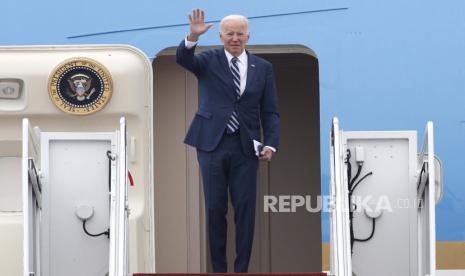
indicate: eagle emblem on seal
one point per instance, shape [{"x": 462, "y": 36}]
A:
[{"x": 80, "y": 87}]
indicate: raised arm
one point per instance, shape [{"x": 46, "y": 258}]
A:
[{"x": 185, "y": 53}]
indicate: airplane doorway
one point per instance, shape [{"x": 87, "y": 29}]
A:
[{"x": 284, "y": 242}]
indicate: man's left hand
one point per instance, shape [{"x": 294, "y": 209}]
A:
[{"x": 265, "y": 154}]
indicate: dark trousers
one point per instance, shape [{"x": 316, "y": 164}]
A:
[{"x": 228, "y": 168}]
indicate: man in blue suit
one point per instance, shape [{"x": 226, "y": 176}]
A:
[{"x": 237, "y": 95}]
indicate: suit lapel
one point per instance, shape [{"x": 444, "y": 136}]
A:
[{"x": 251, "y": 70}]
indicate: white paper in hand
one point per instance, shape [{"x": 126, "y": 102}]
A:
[{"x": 258, "y": 147}]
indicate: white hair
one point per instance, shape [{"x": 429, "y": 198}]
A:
[{"x": 234, "y": 17}]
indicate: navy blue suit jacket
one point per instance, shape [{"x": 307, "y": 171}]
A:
[{"x": 257, "y": 106}]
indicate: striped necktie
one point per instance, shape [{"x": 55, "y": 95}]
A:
[{"x": 233, "y": 122}]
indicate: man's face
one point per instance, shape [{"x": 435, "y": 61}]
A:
[{"x": 234, "y": 36}]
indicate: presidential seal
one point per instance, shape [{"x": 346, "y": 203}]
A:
[{"x": 80, "y": 86}]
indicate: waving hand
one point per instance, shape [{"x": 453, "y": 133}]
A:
[{"x": 197, "y": 24}]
